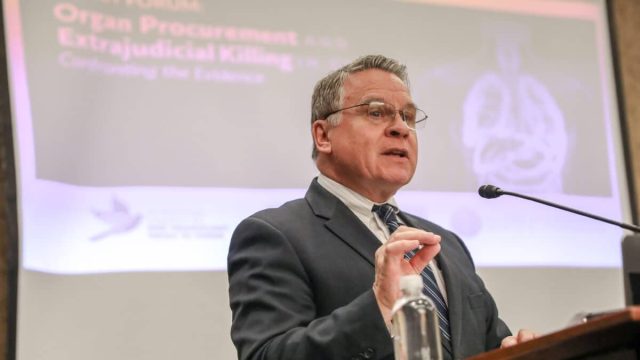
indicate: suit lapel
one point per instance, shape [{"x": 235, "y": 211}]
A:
[
  {"x": 342, "y": 222},
  {"x": 452, "y": 283}
]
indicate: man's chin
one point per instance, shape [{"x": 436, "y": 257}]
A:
[{"x": 398, "y": 180}]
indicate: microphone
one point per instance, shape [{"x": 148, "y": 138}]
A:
[
  {"x": 489, "y": 191},
  {"x": 492, "y": 192}
]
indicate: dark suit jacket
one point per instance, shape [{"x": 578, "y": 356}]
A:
[{"x": 300, "y": 286}]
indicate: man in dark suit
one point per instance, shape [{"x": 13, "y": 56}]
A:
[{"x": 317, "y": 277}]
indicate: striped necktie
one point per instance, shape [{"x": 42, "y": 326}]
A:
[{"x": 387, "y": 213}]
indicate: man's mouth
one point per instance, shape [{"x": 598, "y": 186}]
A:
[{"x": 396, "y": 152}]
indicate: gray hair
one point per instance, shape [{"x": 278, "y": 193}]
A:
[{"x": 328, "y": 92}]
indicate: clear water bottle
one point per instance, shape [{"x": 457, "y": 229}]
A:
[{"x": 416, "y": 335}]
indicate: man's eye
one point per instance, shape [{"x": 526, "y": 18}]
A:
[
  {"x": 376, "y": 113},
  {"x": 377, "y": 110}
]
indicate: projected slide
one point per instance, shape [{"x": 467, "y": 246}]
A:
[{"x": 146, "y": 130}]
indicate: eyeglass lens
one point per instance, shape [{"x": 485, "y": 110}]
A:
[{"x": 378, "y": 111}]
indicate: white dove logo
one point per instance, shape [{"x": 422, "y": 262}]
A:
[{"x": 118, "y": 219}]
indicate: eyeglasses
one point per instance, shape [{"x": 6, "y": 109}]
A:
[{"x": 379, "y": 112}]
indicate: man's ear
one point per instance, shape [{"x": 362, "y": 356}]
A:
[{"x": 320, "y": 132}]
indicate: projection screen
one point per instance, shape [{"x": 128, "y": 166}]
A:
[{"x": 146, "y": 130}]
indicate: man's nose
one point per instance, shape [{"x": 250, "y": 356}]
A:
[{"x": 398, "y": 127}]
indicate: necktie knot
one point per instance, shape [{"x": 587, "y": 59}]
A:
[{"x": 387, "y": 213}]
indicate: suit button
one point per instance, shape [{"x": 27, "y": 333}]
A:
[{"x": 368, "y": 354}]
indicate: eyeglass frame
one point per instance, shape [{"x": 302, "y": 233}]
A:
[{"x": 396, "y": 111}]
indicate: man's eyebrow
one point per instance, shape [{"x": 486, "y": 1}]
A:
[{"x": 366, "y": 100}]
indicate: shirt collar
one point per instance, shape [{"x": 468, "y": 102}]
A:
[{"x": 359, "y": 204}]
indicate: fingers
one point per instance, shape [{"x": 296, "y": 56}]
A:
[
  {"x": 508, "y": 341},
  {"x": 526, "y": 335},
  {"x": 406, "y": 239},
  {"x": 429, "y": 243},
  {"x": 391, "y": 264},
  {"x": 399, "y": 247},
  {"x": 522, "y": 336},
  {"x": 390, "y": 256},
  {"x": 407, "y": 233},
  {"x": 424, "y": 256}
]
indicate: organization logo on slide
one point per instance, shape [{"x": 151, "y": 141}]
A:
[{"x": 118, "y": 220}]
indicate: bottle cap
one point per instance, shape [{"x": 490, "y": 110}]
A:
[{"x": 411, "y": 283}]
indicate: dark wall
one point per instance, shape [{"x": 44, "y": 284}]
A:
[
  {"x": 8, "y": 222},
  {"x": 625, "y": 16}
]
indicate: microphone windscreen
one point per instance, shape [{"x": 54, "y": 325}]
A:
[{"x": 489, "y": 191}]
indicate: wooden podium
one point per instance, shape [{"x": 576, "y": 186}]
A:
[{"x": 612, "y": 336}]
